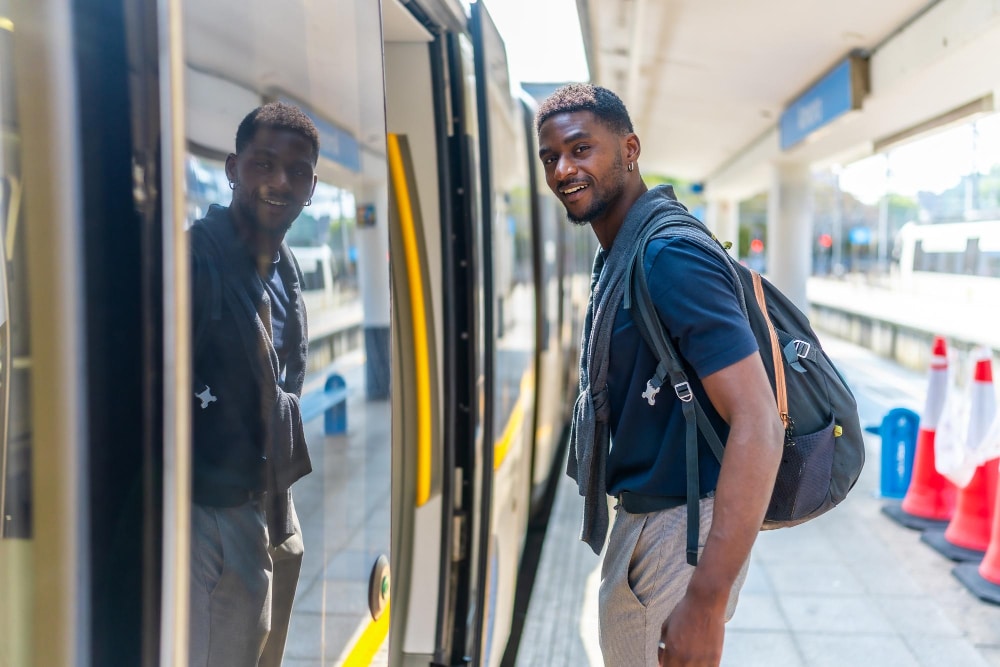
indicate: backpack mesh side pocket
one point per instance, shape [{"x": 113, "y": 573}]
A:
[{"x": 803, "y": 483}]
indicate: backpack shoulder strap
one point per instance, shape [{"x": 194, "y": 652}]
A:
[
  {"x": 655, "y": 335},
  {"x": 648, "y": 321}
]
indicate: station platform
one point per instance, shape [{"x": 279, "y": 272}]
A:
[
  {"x": 848, "y": 588},
  {"x": 344, "y": 510},
  {"x": 960, "y": 315}
]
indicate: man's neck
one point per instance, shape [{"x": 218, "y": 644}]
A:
[
  {"x": 262, "y": 247},
  {"x": 606, "y": 228}
]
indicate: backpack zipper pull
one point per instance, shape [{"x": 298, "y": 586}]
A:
[{"x": 789, "y": 429}]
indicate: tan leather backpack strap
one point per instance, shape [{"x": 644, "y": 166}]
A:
[{"x": 780, "y": 391}]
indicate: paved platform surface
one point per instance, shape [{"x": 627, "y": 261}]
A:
[
  {"x": 343, "y": 506},
  {"x": 848, "y": 588}
]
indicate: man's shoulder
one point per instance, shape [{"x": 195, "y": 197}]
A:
[
  {"x": 215, "y": 216},
  {"x": 677, "y": 253},
  {"x": 212, "y": 231}
]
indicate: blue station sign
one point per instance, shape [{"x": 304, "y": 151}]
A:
[
  {"x": 335, "y": 143},
  {"x": 842, "y": 89}
]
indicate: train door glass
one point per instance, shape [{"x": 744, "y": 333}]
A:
[
  {"x": 15, "y": 435},
  {"x": 326, "y": 59}
]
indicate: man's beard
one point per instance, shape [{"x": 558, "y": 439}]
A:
[
  {"x": 259, "y": 229},
  {"x": 601, "y": 201},
  {"x": 582, "y": 221}
]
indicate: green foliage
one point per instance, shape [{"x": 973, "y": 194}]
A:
[{"x": 684, "y": 189}]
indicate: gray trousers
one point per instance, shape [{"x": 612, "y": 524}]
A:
[
  {"x": 241, "y": 588},
  {"x": 287, "y": 562},
  {"x": 230, "y": 585},
  {"x": 644, "y": 575}
]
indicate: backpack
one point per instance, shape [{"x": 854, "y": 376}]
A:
[{"x": 824, "y": 442}]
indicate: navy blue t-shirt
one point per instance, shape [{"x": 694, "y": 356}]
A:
[{"x": 695, "y": 296}]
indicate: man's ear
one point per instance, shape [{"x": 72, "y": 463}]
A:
[
  {"x": 231, "y": 167},
  {"x": 632, "y": 147}
]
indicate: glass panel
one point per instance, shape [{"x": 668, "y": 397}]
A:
[
  {"x": 16, "y": 573},
  {"x": 320, "y": 58}
]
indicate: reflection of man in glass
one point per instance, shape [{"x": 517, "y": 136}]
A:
[{"x": 249, "y": 365}]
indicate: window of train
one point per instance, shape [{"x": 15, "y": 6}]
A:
[
  {"x": 326, "y": 59},
  {"x": 15, "y": 375},
  {"x": 989, "y": 263},
  {"x": 511, "y": 246}
]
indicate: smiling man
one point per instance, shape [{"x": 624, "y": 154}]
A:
[
  {"x": 249, "y": 358},
  {"x": 654, "y": 607}
]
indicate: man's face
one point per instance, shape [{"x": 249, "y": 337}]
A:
[
  {"x": 583, "y": 164},
  {"x": 274, "y": 177}
]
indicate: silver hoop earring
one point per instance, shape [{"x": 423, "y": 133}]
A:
[
  {"x": 308, "y": 202},
  {"x": 232, "y": 185},
  {"x": 631, "y": 166}
]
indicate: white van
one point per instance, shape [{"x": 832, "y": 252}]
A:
[{"x": 317, "y": 272}]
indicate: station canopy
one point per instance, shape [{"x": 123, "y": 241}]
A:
[{"x": 707, "y": 82}]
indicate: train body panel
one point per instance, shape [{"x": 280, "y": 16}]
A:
[{"x": 956, "y": 260}]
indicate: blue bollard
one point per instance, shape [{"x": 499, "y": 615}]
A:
[
  {"x": 899, "y": 443},
  {"x": 335, "y": 419}
]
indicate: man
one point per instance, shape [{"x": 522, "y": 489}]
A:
[
  {"x": 250, "y": 343},
  {"x": 651, "y": 600}
]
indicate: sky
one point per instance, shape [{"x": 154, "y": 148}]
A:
[
  {"x": 542, "y": 39},
  {"x": 933, "y": 163}
]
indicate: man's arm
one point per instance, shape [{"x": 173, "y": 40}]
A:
[{"x": 742, "y": 395}]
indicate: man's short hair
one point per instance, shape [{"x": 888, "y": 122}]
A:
[
  {"x": 603, "y": 103},
  {"x": 278, "y": 116}
]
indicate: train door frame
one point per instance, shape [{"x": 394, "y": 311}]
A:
[
  {"x": 484, "y": 467},
  {"x": 137, "y": 266},
  {"x": 107, "y": 292},
  {"x": 53, "y": 229}
]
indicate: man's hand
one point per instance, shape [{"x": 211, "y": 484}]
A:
[{"x": 692, "y": 635}]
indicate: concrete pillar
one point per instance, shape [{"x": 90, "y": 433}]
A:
[
  {"x": 723, "y": 217},
  {"x": 711, "y": 219},
  {"x": 789, "y": 231},
  {"x": 731, "y": 228},
  {"x": 373, "y": 280}
]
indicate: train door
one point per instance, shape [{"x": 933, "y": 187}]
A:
[
  {"x": 438, "y": 350},
  {"x": 444, "y": 542}
]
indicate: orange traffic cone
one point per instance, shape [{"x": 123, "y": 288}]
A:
[
  {"x": 930, "y": 498},
  {"x": 968, "y": 533},
  {"x": 983, "y": 580}
]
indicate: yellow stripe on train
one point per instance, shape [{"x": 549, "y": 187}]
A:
[{"x": 502, "y": 446}]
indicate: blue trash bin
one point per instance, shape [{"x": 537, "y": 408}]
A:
[{"x": 899, "y": 443}]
